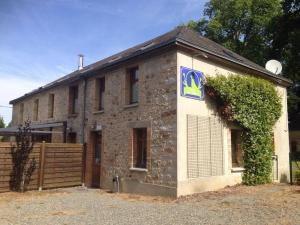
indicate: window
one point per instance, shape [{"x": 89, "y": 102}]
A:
[
  {"x": 140, "y": 147},
  {"x": 36, "y": 110},
  {"x": 21, "y": 113},
  {"x": 71, "y": 137},
  {"x": 97, "y": 147},
  {"x": 236, "y": 148},
  {"x": 133, "y": 85},
  {"x": 295, "y": 146},
  {"x": 73, "y": 100},
  {"x": 51, "y": 106},
  {"x": 100, "y": 89},
  {"x": 42, "y": 137}
]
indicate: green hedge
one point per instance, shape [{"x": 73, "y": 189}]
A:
[{"x": 254, "y": 104}]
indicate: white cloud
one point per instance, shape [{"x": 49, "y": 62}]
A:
[{"x": 12, "y": 87}]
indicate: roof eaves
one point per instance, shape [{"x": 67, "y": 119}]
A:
[{"x": 41, "y": 89}]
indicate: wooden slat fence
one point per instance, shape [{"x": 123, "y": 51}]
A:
[{"x": 58, "y": 165}]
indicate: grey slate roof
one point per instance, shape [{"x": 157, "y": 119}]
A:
[{"x": 180, "y": 34}]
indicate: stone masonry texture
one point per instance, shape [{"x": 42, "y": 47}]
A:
[{"x": 156, "y": 110}]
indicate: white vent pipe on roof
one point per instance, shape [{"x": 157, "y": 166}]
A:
[{"x": 80, "y": 65}]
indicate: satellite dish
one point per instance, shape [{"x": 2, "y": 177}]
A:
[{"x": 274, "y": 66}]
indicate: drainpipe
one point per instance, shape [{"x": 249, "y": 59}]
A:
[
  {"x": 116, "y": 182},
  {"x": 65, "y": 132},
  {"x": 116, "y": 178},
  {"x": 82, "y": 140},
  {"x": 82, "y": 127}
]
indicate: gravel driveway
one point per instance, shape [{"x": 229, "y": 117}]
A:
[{"x": 267, "y": 204}]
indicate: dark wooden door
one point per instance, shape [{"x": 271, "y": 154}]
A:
[{"x": 97, "y": 147}]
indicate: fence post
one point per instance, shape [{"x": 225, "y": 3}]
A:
[
  {"x": 42, "y": 165},
  {"x": 83, "y": 165}
]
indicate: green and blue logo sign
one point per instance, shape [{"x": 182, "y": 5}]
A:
[{"x": 192, "y": 83}]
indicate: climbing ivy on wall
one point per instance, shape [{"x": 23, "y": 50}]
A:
[{"x": 254, "y": 104}]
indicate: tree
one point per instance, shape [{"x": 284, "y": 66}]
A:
[
  {"x": 240, "y": 25},
  {"x": 2, "y": 124},
  {"x": 23, "y": 165},
  {"x": 285, "y": 31},
  {"x": 9, "y": 124},
  {"x": 259, "y": 30}
]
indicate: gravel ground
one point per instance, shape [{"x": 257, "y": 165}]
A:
[{"x": 267, "y": 204}]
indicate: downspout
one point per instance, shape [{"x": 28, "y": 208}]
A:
[
  {"x": 82, "y": 139},
  {"x": 65, "y": 132}
]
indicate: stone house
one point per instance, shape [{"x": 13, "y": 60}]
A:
[{"x": 140, "y": 123}]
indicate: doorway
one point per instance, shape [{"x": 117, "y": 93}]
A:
[{"x": 96, "y": 164}]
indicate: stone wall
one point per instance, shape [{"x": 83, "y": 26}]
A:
[
  {"x": 156, "y": 110},
  {"x": 61, "y": 110},
  {"x": 60, "y": 106}
]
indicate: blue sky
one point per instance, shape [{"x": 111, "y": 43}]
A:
[{"x": 40, "y": 39}]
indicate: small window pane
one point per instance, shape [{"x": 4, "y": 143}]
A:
[
  {"x": 36, "y": 110},
  {"x": 236, "y": 148},
  {"x": 72, "y": 137},
  {"x": 141, "y": 147},
  {"x": 98, "y": 145},
  {"x": 134, "y": 88},
  {"x": 75, "y": 107},
  {"x": 101, "y": 90},
  {"x": 51, "y": 106},
  {"x": 21, "y": 113},
  {"x": 73, "y": 95},
  {"x": 135, "y": 93}
]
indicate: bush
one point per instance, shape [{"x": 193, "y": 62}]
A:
[
  {"x": 23, "y": 165},
  {"x": 255, "y": 105}
]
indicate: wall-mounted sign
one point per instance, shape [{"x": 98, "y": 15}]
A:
[{"x": 192, "y": 83}]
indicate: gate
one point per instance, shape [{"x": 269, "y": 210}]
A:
[
  {"x": 57, "y": 165},
  {"x": 295, "y": 167}
]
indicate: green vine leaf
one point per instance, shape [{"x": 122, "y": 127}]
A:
[{"x": 256, "y": 106}]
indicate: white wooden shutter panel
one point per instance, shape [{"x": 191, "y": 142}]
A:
[
  {"x": 204, "y": 147},
  {"x": 216, "y": 147},
  {"x": 192, "y": 146},
  {"x": 204, "y": 157}
]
